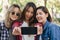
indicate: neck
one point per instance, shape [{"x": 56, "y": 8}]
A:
[
  {"x": 27, "y": 21},
  {"x": 44, "y": 22}
]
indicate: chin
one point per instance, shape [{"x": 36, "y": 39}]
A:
[
  {"x": 40, "y": 21},
  {"x": 14, "y": 19}
]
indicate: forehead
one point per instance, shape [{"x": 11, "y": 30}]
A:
[
  {"x": 15, "y": 9},
  {"x": 30, "y": 8},
  {"x": 39, "y": 10}
]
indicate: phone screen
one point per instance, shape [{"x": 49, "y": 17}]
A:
[{"x": 28, "y": 30}]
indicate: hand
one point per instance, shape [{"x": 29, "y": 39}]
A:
[
  {"x": 16, "y": 31},
  {"x": 39, "y": 29}
]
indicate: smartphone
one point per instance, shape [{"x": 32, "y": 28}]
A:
[{"x": 29, "y": 30}]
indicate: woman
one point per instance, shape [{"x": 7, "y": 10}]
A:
[
  {"x": 26, "y": 20},
  {"x": 50, "y": 30},
  {"x": 13, "y": 14}
]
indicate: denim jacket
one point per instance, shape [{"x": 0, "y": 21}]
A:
[{"x": 51, "y": 31}]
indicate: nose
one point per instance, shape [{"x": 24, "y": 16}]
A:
[
  {"x": 38, "y": 15},
  {"x": 29, "y": 14}
]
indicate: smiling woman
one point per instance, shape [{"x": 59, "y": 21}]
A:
[
  {"x": 12, "y": 14},
  {"x": 50, "y": 30}
]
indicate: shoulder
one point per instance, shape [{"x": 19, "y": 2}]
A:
[
  {"x": 53, "y": 28},
  {"x": 16, "y": 23},
  {"x": 53, "y": 25}
]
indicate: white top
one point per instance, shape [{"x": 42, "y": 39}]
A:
[{"x": 26, "y": 37}]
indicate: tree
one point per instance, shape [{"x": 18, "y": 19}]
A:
[{"x": 45, "y": 2}]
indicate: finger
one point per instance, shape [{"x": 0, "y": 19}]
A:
[{"x": 19, "y": 29}]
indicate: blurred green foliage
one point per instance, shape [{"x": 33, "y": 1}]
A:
[
  {"x": 21, "y": 3},
  {"x": 0, "y": 8},
  {"x": 58, "y": 19}
]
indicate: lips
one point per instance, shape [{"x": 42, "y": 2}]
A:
[
  {"x": 14, "y": 16},
  {"x": 39, "y": 18},
  {"x": 28, "y": 17}
]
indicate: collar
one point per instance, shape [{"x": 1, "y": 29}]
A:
[{"x": 46, "y": 24}]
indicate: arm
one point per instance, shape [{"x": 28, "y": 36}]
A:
[{"x": 16, "y": 28}]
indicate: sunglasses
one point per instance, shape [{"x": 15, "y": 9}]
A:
[{"x": 17, "y": 14}]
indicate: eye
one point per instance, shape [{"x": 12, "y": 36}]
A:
[
  {"x": 12, "y": 13},
  {"x": 17, "y": 14},
  {"x": 31, "y": 12},
  {"x": 28, "y": 11},
  {"x": 40, "y": 13},
  {"x": 36, "y": 13}
]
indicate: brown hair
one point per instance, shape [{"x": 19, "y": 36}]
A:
[
  {"x": 8, "y": 22},
  {"x": 28, "y": 5}
]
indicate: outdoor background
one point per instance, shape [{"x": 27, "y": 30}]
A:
[{"x": 52, "y": 5}]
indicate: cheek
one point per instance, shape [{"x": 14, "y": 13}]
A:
[
  {"x": 44, "y": 17},
  {"x": 38, "y": 16},
  {"x": 31, "y": 15},
  {"x": 10, "y": 16},
  {"x": 26, "y": 14},
  {"x": 13, "y": 17}
]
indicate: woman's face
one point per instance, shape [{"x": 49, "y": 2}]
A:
[
  {"x": 29, "y": 13},
  {"x": 15, "y": 14},
  {"x": 41, "y": 16}
]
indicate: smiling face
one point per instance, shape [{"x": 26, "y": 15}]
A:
[
  {"x": 29, "y": 13},
  {"x": 41, "y": 16},
  {"x": 14, "y": 14}
]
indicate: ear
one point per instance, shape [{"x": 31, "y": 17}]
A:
[{"x": 46, "y": 14}]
